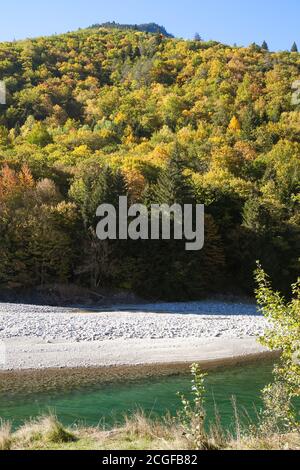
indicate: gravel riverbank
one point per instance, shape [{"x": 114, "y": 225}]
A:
[{"x": 39, "y": 337}]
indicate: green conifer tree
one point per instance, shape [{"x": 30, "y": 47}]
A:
[
  {"x": 173, "y": 185},
  {"x": 294, "y": 47}
]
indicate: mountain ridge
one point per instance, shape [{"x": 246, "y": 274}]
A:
[{"x": 151, "y": 27}]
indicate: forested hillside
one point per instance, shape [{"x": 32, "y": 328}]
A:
[{"x": 100, "y": 113}]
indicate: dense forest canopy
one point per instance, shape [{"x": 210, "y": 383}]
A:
[{"x": 105, "y": 112}]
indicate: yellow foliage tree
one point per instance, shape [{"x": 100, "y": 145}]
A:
[{"x": 234, "y": 125}]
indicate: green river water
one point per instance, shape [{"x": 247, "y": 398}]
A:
[{"x": 107, "y": 403}]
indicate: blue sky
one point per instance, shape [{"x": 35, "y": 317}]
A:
[{"x": 228, "y": 21}]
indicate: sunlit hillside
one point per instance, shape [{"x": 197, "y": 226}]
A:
[{"x": 104, "y": 112}]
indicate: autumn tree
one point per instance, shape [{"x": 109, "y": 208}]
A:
[
  {"x": 39, "y": 135},
  {"x": 234, "y": 125}
]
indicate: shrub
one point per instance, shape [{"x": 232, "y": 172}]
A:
[{"x": 283, "y": 334}]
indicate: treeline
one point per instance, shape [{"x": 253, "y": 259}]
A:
[
  {"x": 153, "y": 28},
  {"x": 97, "y": 114}
]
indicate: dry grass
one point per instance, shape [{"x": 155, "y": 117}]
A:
[
  {"x": 5, "y": 436},
  {"x": 46, "y": 429},
  {"x": 138, "y": 433},
  {"x": 274, "y": 442},
  {"x": 157, "y": 433}
]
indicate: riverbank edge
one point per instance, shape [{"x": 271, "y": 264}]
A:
[
  {"x": 32, "y": 353},
  {"x": 54, "y": 378}
]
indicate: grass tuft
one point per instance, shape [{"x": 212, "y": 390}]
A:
[
  {"x": 47, "y": 429},
  {"x": 55, "y": 431},
  {"x": 5, "y": 436}
]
